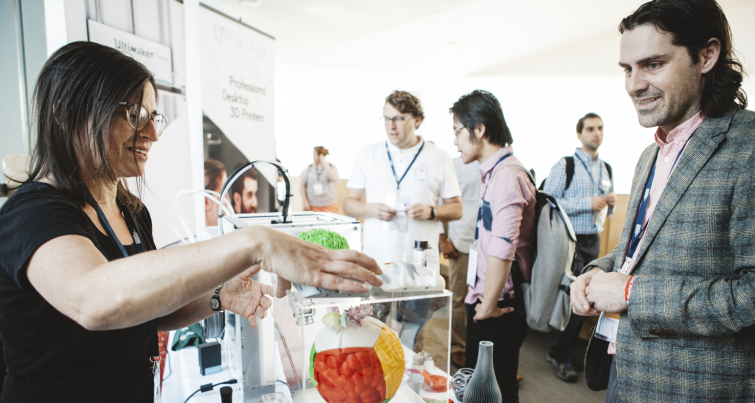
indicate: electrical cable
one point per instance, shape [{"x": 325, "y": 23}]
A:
[
  {"x": 183, "y": 195},
  {"x": 285, "y": 383},
  {"x": 208, "y": 387}
]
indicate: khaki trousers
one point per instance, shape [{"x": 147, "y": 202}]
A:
[{"x": 457, "y": 284}]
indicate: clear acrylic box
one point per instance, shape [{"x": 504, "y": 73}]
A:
[{"x": 415, "y": 325}]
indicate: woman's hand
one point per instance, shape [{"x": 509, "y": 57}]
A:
[
  {"x": 246, "y": 297},
  {"x": 306, "y": 263}
]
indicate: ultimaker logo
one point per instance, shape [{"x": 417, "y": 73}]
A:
[{"x": 126, "y": 47}]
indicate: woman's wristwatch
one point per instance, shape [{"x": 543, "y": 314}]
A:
[
  {"x": 432, "y": 213},
  {"x": 215, "y": 300}
]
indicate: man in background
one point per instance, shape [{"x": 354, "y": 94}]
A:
[
  {"x": 403, "y": 179},
  {"x": 244, "y": 193},
  {"x": 455, "y": 244},
  {"x": 583, "y": 186}
]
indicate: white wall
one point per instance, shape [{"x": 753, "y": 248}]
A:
[
  {"x": 542, "y": 97},
  {"x": 340, "y": 110}
]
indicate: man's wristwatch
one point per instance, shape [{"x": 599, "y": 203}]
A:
[
  {"x": 215, "y": 300},
  {"x": 432, "y": 213}
]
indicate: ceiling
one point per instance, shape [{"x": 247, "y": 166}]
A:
[{"x": 442, "y": 37}]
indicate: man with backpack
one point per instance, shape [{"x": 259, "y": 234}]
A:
[
  {"x": 504, "y": 240},
  {"x": 583, "y": 186}
]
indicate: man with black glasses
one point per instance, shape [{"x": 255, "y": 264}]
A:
[{"x": 403, "y": 178}]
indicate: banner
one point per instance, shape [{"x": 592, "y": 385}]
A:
[
  {"x": 156, "y": 57},
  {"x": 237, "y": 102}
]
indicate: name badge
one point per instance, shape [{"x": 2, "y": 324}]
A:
[
  {"x": 318, "y": 188},
  {"x": 608, "y": 326},
  {"x": 472, "y": 267},
  {"x": 157, "y": 397}
]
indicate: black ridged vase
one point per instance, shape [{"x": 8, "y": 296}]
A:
[{"x": 483, "y": 387}]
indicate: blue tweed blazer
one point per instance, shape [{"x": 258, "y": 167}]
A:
[{"x": 688, "y": 335}]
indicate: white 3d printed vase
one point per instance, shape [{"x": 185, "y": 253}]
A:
[{"x": 483, "y": 387}]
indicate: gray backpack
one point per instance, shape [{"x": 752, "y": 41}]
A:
[{"x": 546, "y": 296}]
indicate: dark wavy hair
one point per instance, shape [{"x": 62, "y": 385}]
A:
[
  {"x": 405, "y": 102},
  {"x": 482, "y": 108},
  {"x": 76, "y": 102},
  {"x": 692, "y": 23}
]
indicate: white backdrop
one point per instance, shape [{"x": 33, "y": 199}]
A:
[
  {"x": 238, "y": 84},
  {"x": 340, "y": 110}
]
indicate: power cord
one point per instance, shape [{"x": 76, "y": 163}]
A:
[
  {"x": 208, "y": 387},
  {"x": 286, "y": 384}
]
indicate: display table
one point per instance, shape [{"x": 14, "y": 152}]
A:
[{"x": 185, "y": 378}]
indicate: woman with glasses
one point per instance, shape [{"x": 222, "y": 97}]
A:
[
  {"x": 83, "y": 291},
  {"x": 318, "y": 183}
]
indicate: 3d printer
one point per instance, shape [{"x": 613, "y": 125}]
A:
[{"x": 319, "y": 345}]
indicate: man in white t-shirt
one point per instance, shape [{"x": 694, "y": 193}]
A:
[
  {"x": 403, "y": 178},
  {"x": 454, "y": 244}
]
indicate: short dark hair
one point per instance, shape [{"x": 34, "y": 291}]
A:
[
  {"x": 213, "y": 172},
  {"x": 405, "y": 102},
  {"x": 238, "y": 186},
  {"x": 692, "y": 23},
  {"x": 482, "y": 108},
  {"x": 76, "y": 103},
  {"x": 581, "y": 121}
]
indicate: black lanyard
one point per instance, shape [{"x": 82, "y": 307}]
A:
[
  {"x": 153, "y": 345},
  {"x": 319, "y": 172},
  {"x": 639, "y": 224},
  {"x": 482, "y": 200},
  {"x": 398, "y": 181}
]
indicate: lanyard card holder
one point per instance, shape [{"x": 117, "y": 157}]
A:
[{"x": 608, "y": 326}]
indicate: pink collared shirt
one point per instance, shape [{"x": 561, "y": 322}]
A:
[
  {"x": 511, "y": 195},
  {"x": 676, "y": 140}
]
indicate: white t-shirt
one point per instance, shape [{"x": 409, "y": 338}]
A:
[
  {"x": 430, "y": 179},
  {"x": 461, "y": 232}
]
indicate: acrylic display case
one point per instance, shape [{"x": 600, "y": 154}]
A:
[
  {"x": 398, "y": 353},
  {"x": 249, "y": 352}
]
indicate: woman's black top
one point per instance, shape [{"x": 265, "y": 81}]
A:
[{"x": 51, "y": 358}]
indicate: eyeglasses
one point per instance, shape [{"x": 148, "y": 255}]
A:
[
  {"x": 397, "y": 119},
  {"x": 457, "y": 131},
  {"x": 139, "y": 119}
]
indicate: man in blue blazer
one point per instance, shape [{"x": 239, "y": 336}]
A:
[{"x": 681, "y": 282}]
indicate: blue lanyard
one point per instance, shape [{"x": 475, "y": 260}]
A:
[
  {"x": 639, "y": 224},
  {"x": 154, "y": 348},
  {"x": 589, "y": 172},
  {"x": 398, "y": 181},
  {"x": 482, "y": 200}
]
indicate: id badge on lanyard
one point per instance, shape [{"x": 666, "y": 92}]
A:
[
  {"x": 608, "y": 326},
  {"x": 154, "y": 349},
  {"x": 472, "y": 267}
]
